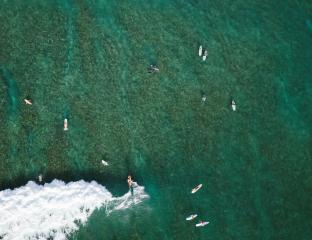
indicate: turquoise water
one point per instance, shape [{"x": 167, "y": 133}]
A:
[{"x": 87, "y": 61}]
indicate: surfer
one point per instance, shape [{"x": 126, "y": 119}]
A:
[
  {"x": 130, "y": 184},
  {"x": 205, "y": 55},
  {"x": 28, "y": 101},
  {"x": 194, "y": 190},
  {"x": 200, "y": 50},
  {"x": 65, "y": 124},
  {"x": 105, "y": 163},
  {"x": 129, "y": 180},
  {"x": 153, "y": 68},
  {"x": 201, "y": 224},
  {"x": 233, "y": 105},
  {"x": 204, "y": 97},
  {"x": 191, "y": 217}
]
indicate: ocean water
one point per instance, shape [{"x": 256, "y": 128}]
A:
[
  {"x": 87, "y": 61},
  {"x": 55, "y": 210}
]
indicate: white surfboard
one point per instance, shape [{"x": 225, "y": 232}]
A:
[
  {"x": 201, "y": 224},
  {"x": 65, "y": 124},
  {"x": 233, "y": 104},
  {"x": 205, "y": 55},
  {"x": 104, "y": 163},
  {"x": 191, "y": 217},
  {"x": 200, "y": 50},
  {"x": 194, "y": 190},
  {"x": 28, "y": 101}
]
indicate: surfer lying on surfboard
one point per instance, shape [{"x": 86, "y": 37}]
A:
[
  {"x": 65, "y": 124},
  {"x": 205, "y": 55},
  {"x": 191, "y": 217},
  {"x": 105, "y": 163},
  {"x": 200, "y": 50},
  {"x": 201, "y": 224},
  {"x": 153, "y": 68},
  {"x": 233, "y": 104},
  {"x": 28, "y": 101},
  {"x": 194, "y": 190}
]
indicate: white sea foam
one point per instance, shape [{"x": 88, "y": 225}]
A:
[{"x": 54, "y": 209}]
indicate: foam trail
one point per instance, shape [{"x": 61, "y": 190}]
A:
[{"x": 54, "y": 210}]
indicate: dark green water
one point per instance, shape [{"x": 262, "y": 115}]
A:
[{"x": 87, "y": 60}]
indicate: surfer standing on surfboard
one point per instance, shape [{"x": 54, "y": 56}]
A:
[
  {"x": 129, "y": 180},
  {"x": 130, "y": 184}
]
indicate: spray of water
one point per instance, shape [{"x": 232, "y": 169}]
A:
[{"x": 56, "y": 209}]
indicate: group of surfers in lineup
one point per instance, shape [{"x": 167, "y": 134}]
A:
[
  {"x": 193, "y": 216},
  {"x": 155, "y": 69},
  {"x": 204, "y": 56},
  {"x": 152, "y": 69},
  {"x": 189, "y": 218},
  {"x": 28, "y": 101}
]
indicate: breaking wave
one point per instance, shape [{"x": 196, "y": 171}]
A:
[{"x": 54, "y": 210}]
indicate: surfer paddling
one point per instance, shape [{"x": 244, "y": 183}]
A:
[
  {"x": 205, "y": 55},
  {"x": 105, "y": 163},
  {"x": 65, "y": 124},
  {"x": 28, "y": 101},
  {"x": 191, "y": 217},
  {"x": 233, "y": 105},
  {"x": 201, "y": 224},
  {"x": 152, "y": 69},
  {"x": 194, "y": 190},
  {"x": 200, "y": 50},
  {"x": 204, "y": 96}
]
